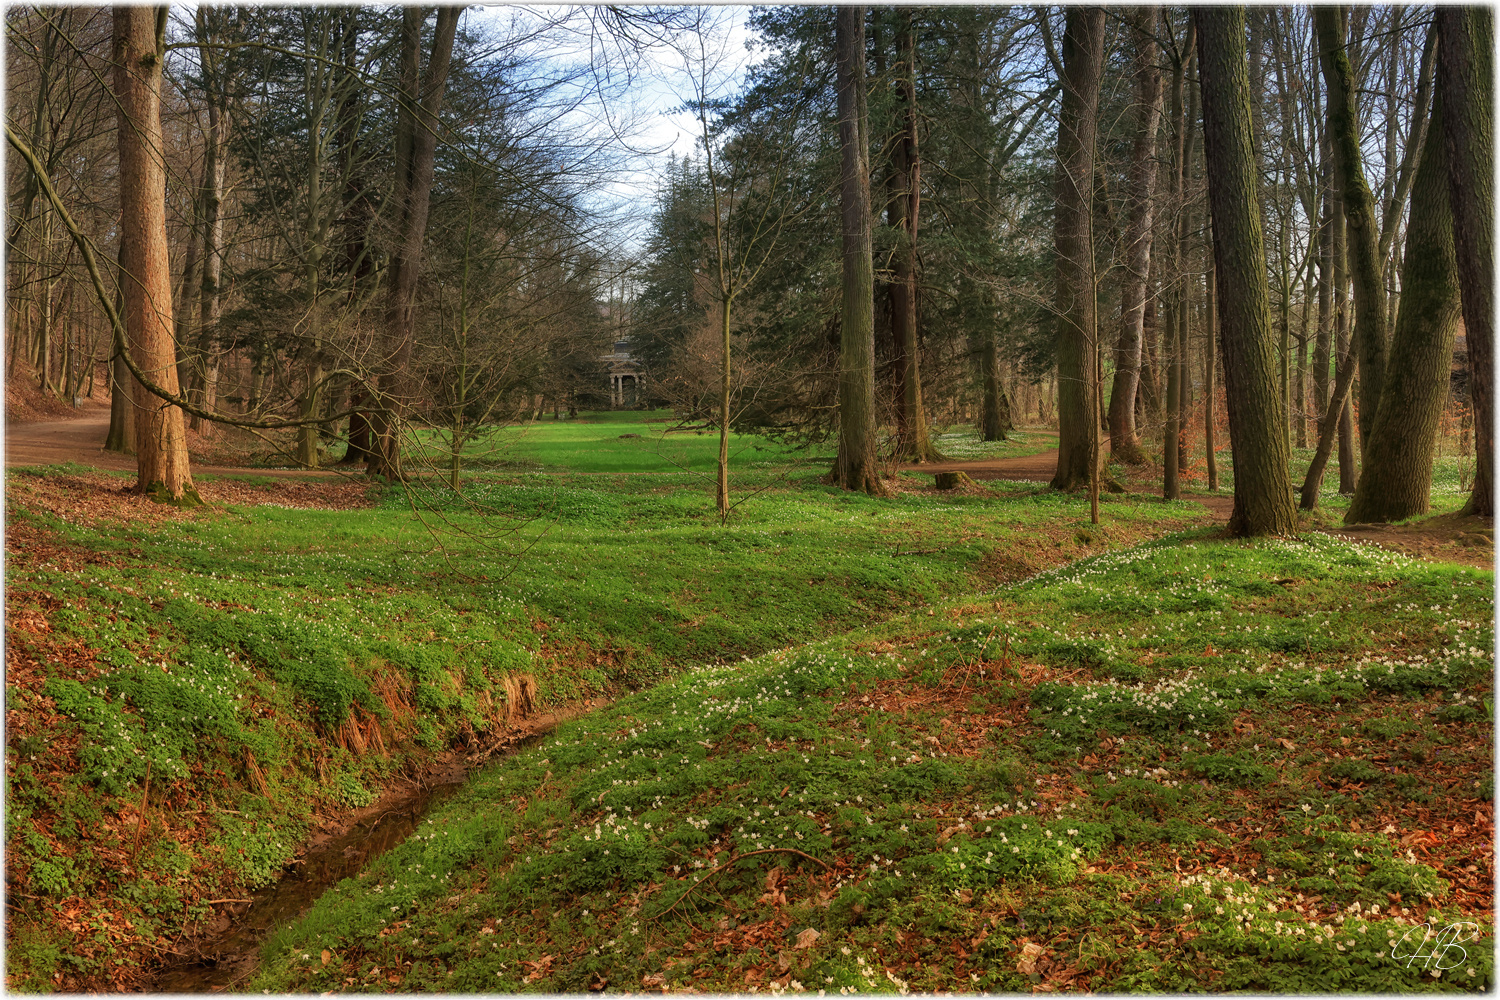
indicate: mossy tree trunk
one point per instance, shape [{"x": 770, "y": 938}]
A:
[
  {"x": 1363, "y": 228},
  {"x": 1257, "y": 420},
  {"x": 1466, "y": 83},
  {"x": 1396, "y": 481}
]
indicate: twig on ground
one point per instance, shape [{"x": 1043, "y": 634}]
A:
[{"x": 740, "y": 857}]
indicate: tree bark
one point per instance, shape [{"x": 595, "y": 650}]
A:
[
  {"x": 1257, "y": 423},
  {"x": 121, "y": 434},
  {"x": 1363, "y": 228},
  {"x": 421, "y": 97},
  {"x": 1466, "y": 85},
  {"x": 1323, "y": 345},
  {"x": 1342, "y": 342},
  {"x": 1174, "y": 341},
  {"x": 215, "y": 152},
  {"x": 996, "y": 419},
  {"x": 146, "y": 278},
  {"x": 1332, "y": 428},
  {"x": 855, "y": 468},
  {"x": 1077, "y": 313},
  {"x": 1124, "y": 444},
  {"x": 1210, "y": 392},
  {"x": 1396, "y": 481},
  {"x": 913, "y": 442},
  {"x": 1185, "y": 288}
]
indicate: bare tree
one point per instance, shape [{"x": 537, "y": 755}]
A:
[{"x": 421, "y": 98}]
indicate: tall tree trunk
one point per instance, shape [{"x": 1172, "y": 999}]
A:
[
  {"x": 1396, "y": 481},
  {"x": 1363, "y": 228},
  {"x": 1077, "y": 310},
  {"x": 1124, "y": 444},
  {"x": 1466, "y": 83},
  {"x": 913, "y": 442},
  {"x": 1148, "y": 392},
  {"x": 215, "y": 152},
  {"x": 1186, "y": 287},
  {"x": 354, "y": 227},
  {"x": 1343, "y": 346},
  {"x": 1171, "y": 453},
  {"x": 1257, "y": 431},
  {"x": 996, "y": 419},
  {"x": 121, "y": 434},
  {"x": 855, "y": 467},
  {"x": 1323, "y": 346},
  {"x": 1174, "y": 341},
  {"x": 1332, "y": 427},
  {"x": 1210, "y": 392},
  {"x": 421, "y": 96},
  {"x": 185, "y": 312},
  {"x": 146, "y": 278}
]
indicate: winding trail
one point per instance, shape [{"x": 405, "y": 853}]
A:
[{"x": 80, "y": 440}]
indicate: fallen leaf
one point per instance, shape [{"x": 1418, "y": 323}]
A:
[
  {"x": 1029, "y": 955},
  {"x": 808, "y": 937},
  {"x": 327, "y": 956},
  {"x": 1287, "y": 743}
]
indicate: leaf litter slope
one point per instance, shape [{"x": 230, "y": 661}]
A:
[{"x": 1191, "y": 765}]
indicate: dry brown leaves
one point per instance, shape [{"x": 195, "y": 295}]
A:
[
  {"x": 25, "y": 403},
  {"x": 96, "y": 498}
]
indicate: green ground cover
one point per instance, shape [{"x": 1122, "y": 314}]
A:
[
  {"x": 1188, "y": 765},
  {"x": 1452, "y": 479},
  {"x": 191, "y": 691},
  {"x": 623, "y": 441}
]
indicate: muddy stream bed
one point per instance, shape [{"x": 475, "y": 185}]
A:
[{"x": 223, "y": 960}]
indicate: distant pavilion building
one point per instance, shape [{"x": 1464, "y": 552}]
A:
[{"x": 625, "y": 376}]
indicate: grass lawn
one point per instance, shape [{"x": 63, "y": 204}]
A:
[
  {"x": 622, "y": 441},
  {"x": 869, "y": 682}
]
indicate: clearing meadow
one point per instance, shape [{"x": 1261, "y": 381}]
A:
[{"x": 957, "y": 741}]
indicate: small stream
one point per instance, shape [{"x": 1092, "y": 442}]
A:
[{"x": 223, "y": 962}]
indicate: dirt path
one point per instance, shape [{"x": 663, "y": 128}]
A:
[{"x": 80, "y": 440}]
